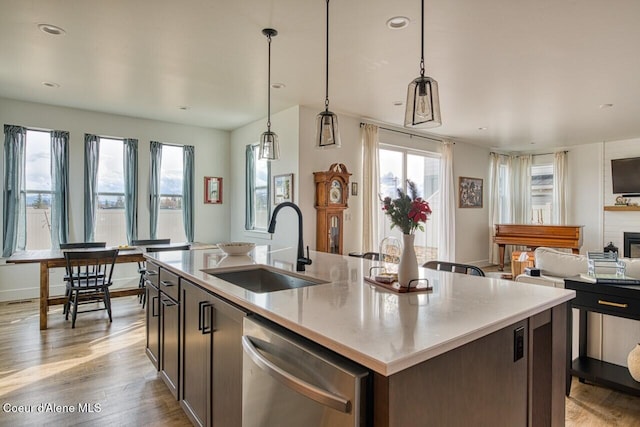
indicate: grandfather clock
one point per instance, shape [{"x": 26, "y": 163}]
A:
[{"x": 331, "y": 200}]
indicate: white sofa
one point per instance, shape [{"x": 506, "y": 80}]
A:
[{"x": 555, "y": 265}]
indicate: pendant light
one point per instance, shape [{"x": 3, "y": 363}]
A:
[
  {"x": 327, "y": 133},
  {"x": 269, "y": 148},
  {"x": 423, "y": 103}
]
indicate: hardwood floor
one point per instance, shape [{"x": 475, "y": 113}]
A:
[
  {"x": 95, "y": 363},
  {"x": 104, "y": 364}
]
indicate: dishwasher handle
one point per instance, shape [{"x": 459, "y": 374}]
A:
[{"x": 317, "y": 394}]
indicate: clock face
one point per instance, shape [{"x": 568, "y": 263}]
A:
[{"x": 335, "y": 192}]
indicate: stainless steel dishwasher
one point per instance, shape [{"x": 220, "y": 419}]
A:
[{"x": 288, "y": 381}]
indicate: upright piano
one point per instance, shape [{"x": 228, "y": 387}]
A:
[{"x": 536, "y": 235}]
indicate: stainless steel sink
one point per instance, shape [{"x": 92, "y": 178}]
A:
[{"x": 262, "y": 280}]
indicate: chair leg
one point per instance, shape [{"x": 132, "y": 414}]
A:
[
  {"x": 141, "y": 286},
  {"x": 107, "y": 302},
  {"x": 67, "y": 304},
  {"x": 64, "y": 307},
  {"x": 75, "y": 309},
  {"x": 144, "y": 296}
]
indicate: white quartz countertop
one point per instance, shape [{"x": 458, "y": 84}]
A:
[{"x": 384, "y": 331}]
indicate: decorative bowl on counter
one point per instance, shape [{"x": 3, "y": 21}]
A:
[{"x": 236, "y": 248}]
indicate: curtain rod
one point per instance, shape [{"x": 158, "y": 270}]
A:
[
  {"x": 405, "y": 133},
  {"x": 536, "y": 154}
]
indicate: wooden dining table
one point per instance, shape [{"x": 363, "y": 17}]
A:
[{"x": 55, "y": 259}]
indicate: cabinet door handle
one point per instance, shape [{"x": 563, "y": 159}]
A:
[
  {"x": 207, "y": 329},
  {"x": 167, "y": 283},
  {"x": 202, "y": 317},
  {"x": 168, "y": 303},
  {"x": 200, "y": 310},
  {"x": 153, "y": 307},
  {"x": 613, "y": 304}
]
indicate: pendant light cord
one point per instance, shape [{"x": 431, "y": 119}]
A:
[
  {"x": 269, "y": 88},
  {"x": 422, "y": 38},
  {"x": 326, "y": 97}
]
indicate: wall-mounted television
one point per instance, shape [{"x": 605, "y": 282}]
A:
[{"x": 625, "y": 175}]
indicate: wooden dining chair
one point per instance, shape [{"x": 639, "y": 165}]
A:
[
  {"x": 454, "y": 267},
  {"x": 142, "y": 265},
  {"x": 90, "y": 273},
  {"x": 78, "y": 245},
  {"x": 82, "y": 245}
]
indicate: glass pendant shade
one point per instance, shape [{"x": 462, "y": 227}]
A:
[
  {"x": 327, "y": 133},
  {"x": 269, "y": 148},
  {"x": 423, "y": 104},
  {"x": 423, "y": 101}
]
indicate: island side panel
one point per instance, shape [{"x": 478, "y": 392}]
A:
[
  {"x": 476, "y": 384},
  {"x": 559, "y": 353}
]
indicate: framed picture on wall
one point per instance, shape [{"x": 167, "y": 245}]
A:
[
  {"x": 469, "y": 192},
  {"x": 212, "y": 189},
  {"x": 282, "y": 188}
]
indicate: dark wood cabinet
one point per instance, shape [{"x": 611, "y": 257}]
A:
[
  {"x": 153, "y": 321},
  {"x": 163, "y": 325},
  {"x": 211, "y": 362},
  {"x": 169, "y": 339},
  {"x": 614, "y": 300},
  {"x": 196, "y": 353},
  {"x": 491, "y": 381}
]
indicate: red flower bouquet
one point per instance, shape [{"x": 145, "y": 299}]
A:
[{"x": 408, "y": 211}]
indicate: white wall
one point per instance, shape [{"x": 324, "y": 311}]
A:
[
  {"x": 619, "y": 335},
  {"x": 212, "y": 159},
  {"x": 296, "y": 131},
  {"x": 610, "y": 338},
  {"x": 472, "y": 224},
  {"x": 585, "y": 193},
  {"x": 315, "y": 160},
  {"x": 616, "y": 222},
  {"x": 285, "y": 125},
  {"x": 299, "y": 155}
]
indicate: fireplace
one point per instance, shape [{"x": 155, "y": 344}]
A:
[{"x": 632, "y": 245}]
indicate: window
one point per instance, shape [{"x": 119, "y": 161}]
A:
[
  {"x": 38, "y": 189},
  {"x": 258, "y": 189},
  {"x": 396, "y": 166},
  {"x": 542, "y": 194},
  {"x": 170, "y": 217},
  {"x": 171, "y": 191},
  {"x": 110, "y": 215},
  {"x": 504, "y": 215}
]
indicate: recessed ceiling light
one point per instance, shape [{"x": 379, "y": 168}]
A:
[
  {"x": 398, "y": 22},
  {"x": 398, "y": 103},
  {"x": 606, "y": 105},
  {"x": 483, "y": 128},
  {"x": 50, "y": 84},
  {"x": 54, "y": 30},
  {"x": 278, "y": 85}
]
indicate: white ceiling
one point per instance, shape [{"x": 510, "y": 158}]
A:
[{"x": 530, "y": 71}]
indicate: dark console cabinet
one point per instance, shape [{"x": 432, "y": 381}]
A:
[{"x": 614, "y": 300}]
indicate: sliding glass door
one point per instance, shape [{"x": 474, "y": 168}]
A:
[{"x": 423, "y": 168}]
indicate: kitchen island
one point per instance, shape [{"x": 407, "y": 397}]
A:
[{"x": 473, "y": 350}]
